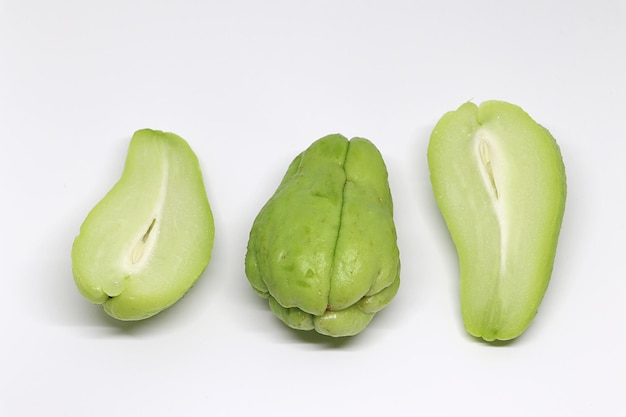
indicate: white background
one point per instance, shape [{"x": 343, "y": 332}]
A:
[{"x": 250, "y": 84}]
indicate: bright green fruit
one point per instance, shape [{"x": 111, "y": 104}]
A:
[
  {"x": 150, "y": 238},
  {"x": 499, "y": 181},
  {"x": 323, "y": 248}
]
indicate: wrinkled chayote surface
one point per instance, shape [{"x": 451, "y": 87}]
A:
[{"x": 323, "y": 249}]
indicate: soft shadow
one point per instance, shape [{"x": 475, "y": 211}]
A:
[
  {"x": 494, "y": 343},
  {"x": 374, "y": 331},
  {"x": 320, "y": 341},
  {"x": 97, "y": 323},
  {"x": 93, "y": 321}
]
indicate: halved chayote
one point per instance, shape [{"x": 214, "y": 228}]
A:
[
  {"x": 323, "y": 248},
  {"x": 144, "y": 245},
  {"x": 499, "y": 180}
]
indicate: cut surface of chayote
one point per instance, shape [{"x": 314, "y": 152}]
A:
[
  {"x": 499, "y": 180},
  {"x": 144, "y": 245},
  {"x": 323, "y": 248}
]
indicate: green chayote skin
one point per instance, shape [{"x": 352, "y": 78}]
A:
[{"x": 323, "y": 249}]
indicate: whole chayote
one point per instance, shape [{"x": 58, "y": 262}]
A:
[{"x": 323, "y": 249}]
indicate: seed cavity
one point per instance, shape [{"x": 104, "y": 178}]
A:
[
  {"x": 483, "y": 148},
  {"x": 137, "y": 252}
]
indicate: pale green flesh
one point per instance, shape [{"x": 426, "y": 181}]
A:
[
  {"x": 323, "y": 248},
  {"x": 149, "y": 239},
  {"x": 499, "y": 181}
]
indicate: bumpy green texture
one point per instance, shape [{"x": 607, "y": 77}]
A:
[
  {"x": 323, "y": 249},
  {"x": 499, "y": 180},
  {"x": 144, "y": 245}
]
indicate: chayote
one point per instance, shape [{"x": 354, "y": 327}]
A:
[
  {"x": 323, "y": 249},
  {"x": 499, "y": 180},
  {"x": 146, "y": 243}
]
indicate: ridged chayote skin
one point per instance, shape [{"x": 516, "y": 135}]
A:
[{"x": 323, "y": 249}]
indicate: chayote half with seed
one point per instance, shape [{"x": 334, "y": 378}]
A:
[
  {"x": 144, "y": 245},
  {"x": 499, "y": 180},
  {"x": 323, "y": 249}
]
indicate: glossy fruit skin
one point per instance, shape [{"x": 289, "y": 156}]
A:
[
  {"x": 499, "y": 180},
  {"x": 144, "y": 245},
  {"x": 323, "y": 249}
]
